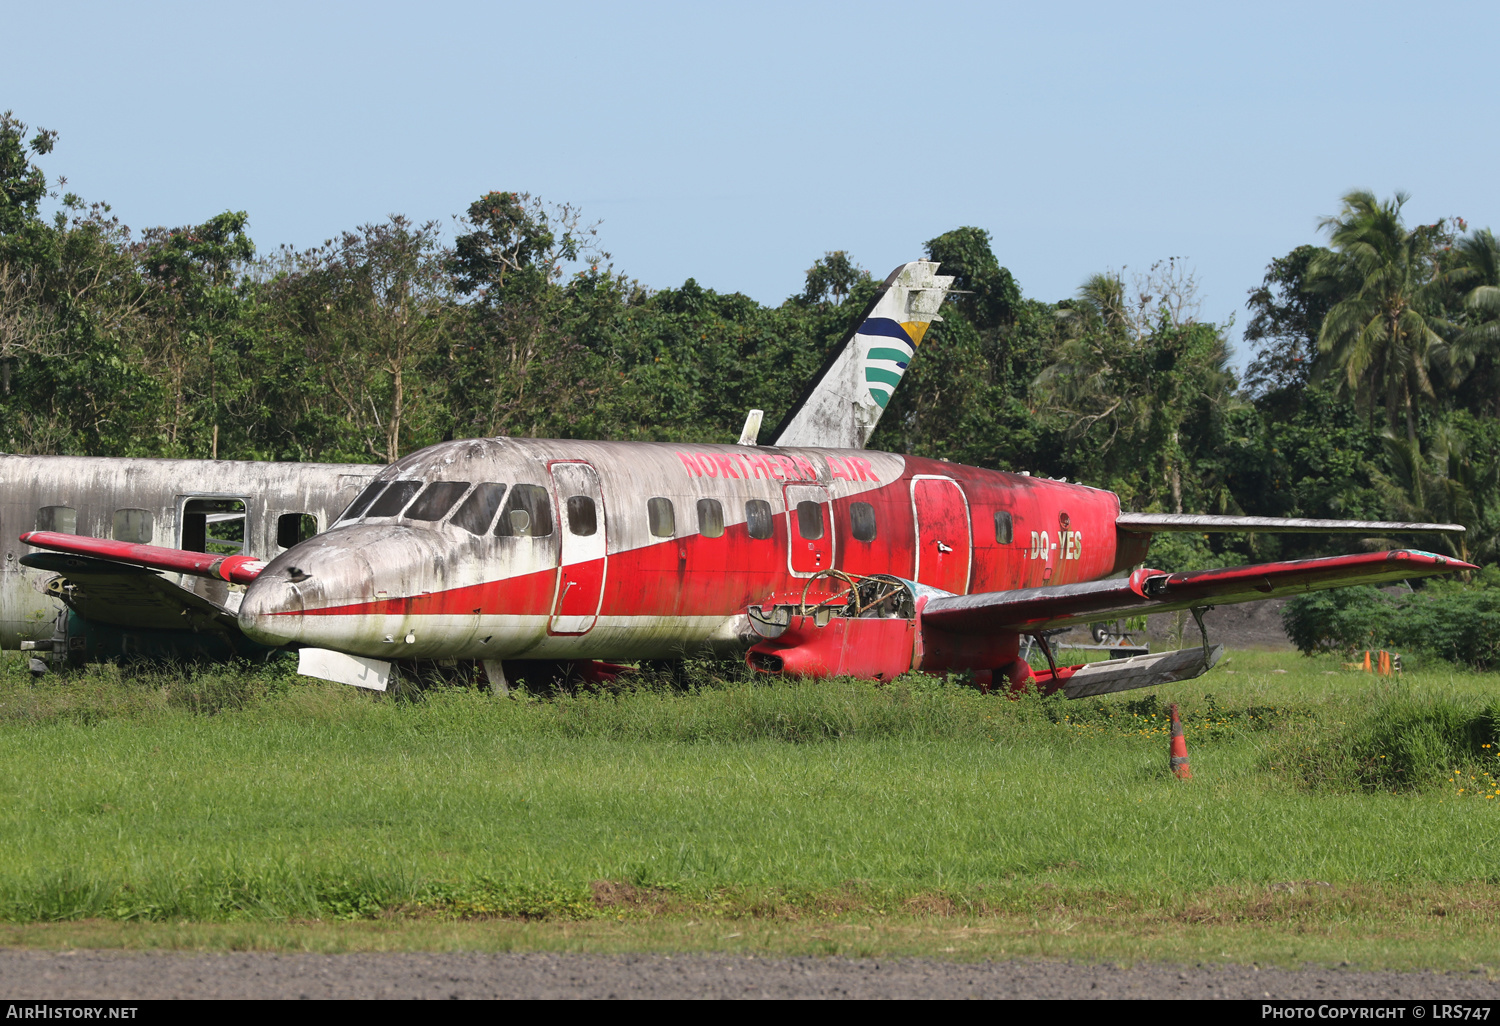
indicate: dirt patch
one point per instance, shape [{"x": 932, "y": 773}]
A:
[{"x": 615, "y": 894}]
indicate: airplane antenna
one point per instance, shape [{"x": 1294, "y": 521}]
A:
[{"x": 751, "y": 430}]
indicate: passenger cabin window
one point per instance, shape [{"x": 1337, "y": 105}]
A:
[
  {"x": 362, "y": 502},
  {"x": 862, "y": 521},
  {"x": 583, "y": 517},
  {"x": 1004, "y": 529},
  {"x": 476, "y": 512},
  {"x": 394, "y": 499},
  {"x": 810, "y": 519},
  {"x": 133, "y": 525},
  {"x": 292, "y": 528},
  {"x": 527, "y": 513},
  {"x": 214, "y": 525},
  {"x": 436, "y": 500},
  {"x": 62, "y": 519},
  {"x": 710, "y": 518},
  {"x": 758, "y": 519},
  {"x": 660, "y": 515}
]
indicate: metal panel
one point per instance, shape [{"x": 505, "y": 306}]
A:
[
  {"x": 584, "y": 559},
  {"x": 941, "y": 513},
  {"x": 806, "y": 556}
]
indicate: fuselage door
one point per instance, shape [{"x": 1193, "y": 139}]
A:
[
  {"x": 941, "y": 511},
  {"x": 809, "y": 525},
  {"x": 584, "y": 557}
]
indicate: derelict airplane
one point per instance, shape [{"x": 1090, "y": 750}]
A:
[
  {"x": 813, "y": 556},
  {"x": 226, "y": 507}
]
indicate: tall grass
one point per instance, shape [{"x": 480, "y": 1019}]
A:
[{"x": 224, "y": 793}]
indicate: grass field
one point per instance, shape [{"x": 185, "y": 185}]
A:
[{"x": 1332, "y": 816}]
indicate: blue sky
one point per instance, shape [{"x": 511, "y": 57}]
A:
[{"x": 737, "y": 144}]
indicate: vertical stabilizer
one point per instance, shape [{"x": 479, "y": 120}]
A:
[{"x": 845, "y": 402}]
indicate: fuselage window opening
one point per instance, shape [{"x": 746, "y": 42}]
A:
[
  {"x": 1005, "y": 530},
  {"x": 758, "y": 519},
  {"x": 661, "y": 516},
  {"x": 710, "y": 518},
  {"x": 292, "y": 528},
  {"x": 62, "y": 519},
  {"x": 862, "y": 521},
  {"x": 583, "y": 516},
  {"x": 479, "y": 508},
  {"x": 132, "y": 525},
  {"x": 394, "y": 499},
  {"x": 527, "y": 513},
  {"x": 361, "y": 503},
  {"x": 810, "y": 519},
  {"x": 436, "y": 500},
  {"x": 215, "y": 525}
]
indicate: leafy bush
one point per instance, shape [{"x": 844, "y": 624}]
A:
[
  {"x": 1450, "y": 619},
  {"x": 1405, "y": 741}
]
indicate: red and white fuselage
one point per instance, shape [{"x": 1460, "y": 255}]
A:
[{"x": 536, "y": 549}]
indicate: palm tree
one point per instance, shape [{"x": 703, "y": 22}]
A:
[
  {"x": 1475, "y": 275},
  {"x": 1380, "y": 334},
  {"x": 1445, "y": 485}
]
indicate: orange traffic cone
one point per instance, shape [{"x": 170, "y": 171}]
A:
[
  {"x": 1385, "y": 663},
  {"x": 1367, "y": 660},
  {"x": 1179, "y": 760}
]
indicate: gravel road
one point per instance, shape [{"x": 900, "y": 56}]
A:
[{"x": 38, "y": 975}]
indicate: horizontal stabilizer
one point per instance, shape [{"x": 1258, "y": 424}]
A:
[
  {"x": 1154, "y": 591},
  {"x": 234, "y": 569},
  {"x": 1152, "y": 523},
  {"x": 1143, "y": 671}
]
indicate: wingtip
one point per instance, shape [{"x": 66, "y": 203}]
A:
[{"x": 1432, "y": 558}]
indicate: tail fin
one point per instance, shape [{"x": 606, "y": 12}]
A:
[{"x": 844, "y": 403}]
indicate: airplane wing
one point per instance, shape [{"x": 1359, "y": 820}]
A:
[
  {"x": 1155, "y": 591},
  {"x": 1152, "y": 523},
  {"x": 234, "y": 569},
  {"x": 129, "y": 596}
]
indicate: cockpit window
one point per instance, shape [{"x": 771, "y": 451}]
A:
[
  {"x": 479, "y": 508},
  {"x": 394, "y": 499},
  {"x": 527, "y": 513},
  {"x": 362, "y": 502},
  {"x": 436, "y": 500}
]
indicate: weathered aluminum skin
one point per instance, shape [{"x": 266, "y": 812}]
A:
[
  {"x": 95, "y": 488},
  {"x": 390, "y": 587}
]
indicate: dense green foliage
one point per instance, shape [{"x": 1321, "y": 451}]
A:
[
  {"x": 1374, "y": 393},
  {"x": 1448, "y": 619}
]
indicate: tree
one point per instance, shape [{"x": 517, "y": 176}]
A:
[
  {"x": 365, "y": 317},
  {"x": 831, "y": 277},
  {"x": 22, "y": 183},
  {"x": 1131, "y": 395},
  {"x": 1286, "y": 320},
  {"x": 1381, "y": 338},
  {"x": 191, "y": 276},
  {"x": 1474, "y": 358}
]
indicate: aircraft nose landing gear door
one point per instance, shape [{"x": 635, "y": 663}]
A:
[
  {"x": 942, "y": 517},
  {"x": 584, "y": 557}
]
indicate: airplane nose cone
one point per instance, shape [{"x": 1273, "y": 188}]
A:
[{"x": 313, "y": 576}]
